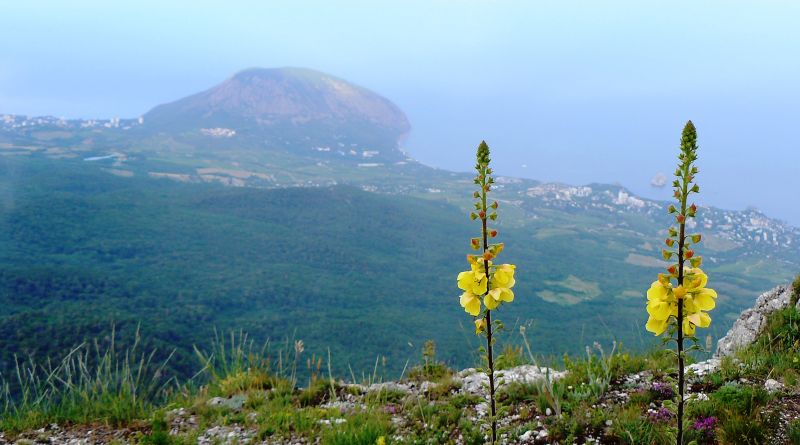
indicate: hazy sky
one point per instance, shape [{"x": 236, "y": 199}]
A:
[{"x": 567, "y": 91}]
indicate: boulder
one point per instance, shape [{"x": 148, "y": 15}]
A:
[{"x": 752, "y": 321}]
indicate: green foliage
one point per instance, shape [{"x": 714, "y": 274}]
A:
[
  {"x": 362, "y": 429},
  {"x": 795, "y": 291},
  {"x": 92, "y": 383},
  {"x": 794, "y": 432},
  {"x": 159, "y": 434},
  {"x": 510, "y": 357},
  {"x": 631, "y": 428},
  {"x": 430, "y": 369},
  {"x": 744, "y": 430}
]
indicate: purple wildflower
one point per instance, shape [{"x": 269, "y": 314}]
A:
[
  {"x": 705, "y": 425},
  {"x": 662, "y": 415},
  {"x": 662, "y": 391}
]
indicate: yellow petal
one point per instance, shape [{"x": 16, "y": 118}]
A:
[
  {"x": 700, "y": 319},
  {"x": 657, "y": 327},
  {"x": 490, "y": 302},
  {"x": 471, "y": 303},
  {"x": 465, "y": 280},
  {"x": 659, "y": 310},
  {"x": 696, "y": 279},
  {"x": 657, "y": 292},
  {"x": 705, "y": 299},
  {"x": 688, "y": 327},
  {"x": 505, "y": 294}
]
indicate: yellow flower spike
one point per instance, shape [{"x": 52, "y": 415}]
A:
[
  {"x": 486, "y": 281},
  {"x": 471, "y": 303}
]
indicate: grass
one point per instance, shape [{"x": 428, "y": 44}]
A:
[
  {"x": 121, "y": 387},
  {"x": 91, "y": 383}
]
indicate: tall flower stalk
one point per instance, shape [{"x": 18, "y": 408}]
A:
[
  {"x": 680, "y": 309},
  {"x": 486, "y": 285}
]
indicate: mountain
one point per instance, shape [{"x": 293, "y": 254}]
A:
[
  {"x": 286, "y": 102},
  {"x": 281, "y": 203}
]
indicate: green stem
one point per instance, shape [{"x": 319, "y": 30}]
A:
[
  {"x": 489, "y": 351},
  {"x": 681, "y": 261}
]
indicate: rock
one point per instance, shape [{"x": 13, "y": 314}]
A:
[
  {"x": 701, "y": 369},
  {"x": 772, "y": 385},
  {"x": 476, "y": 382},
  {"x": 752, "y": 321},
  {"x": 235, "y": 402}
]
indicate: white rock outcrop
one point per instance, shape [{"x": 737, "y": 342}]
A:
[
  {"x": 475, "y": 382},
  {"x": 752, "y": 321}
]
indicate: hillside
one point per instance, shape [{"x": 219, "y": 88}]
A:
[{"x": 280, "y": 203}]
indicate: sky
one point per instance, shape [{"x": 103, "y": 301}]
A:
[{"x": 567, "y": 91}]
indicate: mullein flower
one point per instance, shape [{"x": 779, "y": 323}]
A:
[
  {"x": 486, "y": 285},
  {"x": 662, "y": 302},
  {"x": 679, "y": 300}
]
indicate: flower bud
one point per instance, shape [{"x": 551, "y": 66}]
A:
[
  {"x": 667, "y": 254},
  {"x": 669, "y": 242},
  {"x": 696, "y": 261},
  {"x": 493, "y": 233},
  {"x": 688, "y": 254},
  {"x": 672, "y": 209},
  {"x": 673, "y": 270},
  {"x": 696, "y": 188},
  {"x": 680, "y": 219},
  {"x": 497, "y": 248},
  {"x": 488, "y": 255},
  {"x": 473, "y": 216},
  {"x": 696, "y": 238},
  {"x": 494, "y": 205},
  {"x": 680, "y": 292},
  {"x": 493, "y": 216},
  {"x": 476, "y": 195},
  {"x": 677, "y": 194},
  {"x": 673, "y": 231},
  {"x": 480, "y": 326},
  {"x": 482, "y": 214},
  {"x": 475, "y": 243}
]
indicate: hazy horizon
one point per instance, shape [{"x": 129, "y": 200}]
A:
[{"x": 580, "y": 94}]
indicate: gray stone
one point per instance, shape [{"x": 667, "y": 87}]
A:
[
  {"x": 476, "y": 382},
  {"x": 235, "y": 402},
  {"x": 772, "y": 385},
  {"x": 751, "y": 322}
]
